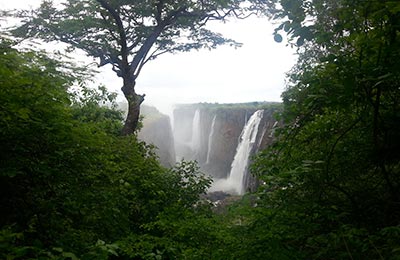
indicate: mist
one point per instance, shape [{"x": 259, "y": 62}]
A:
[{"x": 221, "y": 138}]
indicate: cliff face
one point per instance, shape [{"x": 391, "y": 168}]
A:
[
  {"x": 265, "y": 137},
  {"x": 157, "y": 130},
  {"x": 224, "y": 140},
  {"x": 210, "y": 135}
]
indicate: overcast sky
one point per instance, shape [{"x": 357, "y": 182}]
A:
[{"x": 254, "y": 72}]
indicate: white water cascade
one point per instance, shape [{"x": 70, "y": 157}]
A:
[
  {"x": 196, "y": 134},
  {"x": 210, "y": 139},
  {"x": 235, "y": 181}
]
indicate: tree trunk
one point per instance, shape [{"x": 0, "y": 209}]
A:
[{"x": 134, "y": 102}]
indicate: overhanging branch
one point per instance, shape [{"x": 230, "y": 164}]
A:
[{"x": 121, "y": 30}]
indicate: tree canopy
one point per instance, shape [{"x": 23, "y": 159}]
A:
[{"x": 128, "y": 34}]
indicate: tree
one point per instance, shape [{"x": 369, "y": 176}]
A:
[
  {"x": 69, "y": 183},
  {"x": 332, "y": 178},
  {"x": 128, "y": 34}
]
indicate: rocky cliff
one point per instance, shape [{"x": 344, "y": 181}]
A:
[
  {"x": 209, "y": 134},
  {"x": 157, "y": 130},
  {"x": 265, "y": 137}
]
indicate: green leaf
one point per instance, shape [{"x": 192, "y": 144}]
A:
[{"x": 278, "y": 38}]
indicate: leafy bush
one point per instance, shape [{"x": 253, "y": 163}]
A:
[{"x": 71, "y": 186}]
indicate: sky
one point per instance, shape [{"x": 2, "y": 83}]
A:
[{"x": 254, "y": 72}]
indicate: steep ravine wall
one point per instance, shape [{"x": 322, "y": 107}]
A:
[
  {"x": 220, "y": 147},
  {"x": 265, "y": 137},
  {"x": 207, "y": 133},
  {"x": 228, "y": 126},
  {"x": 157, "y": 130},
  {"x": 218, "y": 140}
]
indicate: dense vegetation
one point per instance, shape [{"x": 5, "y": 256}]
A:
[
  {"x": 333, "y": 178},
  {"x": 218, "y": 106},
  {"x": 72, "y": 187}
]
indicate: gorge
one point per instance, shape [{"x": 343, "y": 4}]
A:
[{"x": 222, "y": 138}]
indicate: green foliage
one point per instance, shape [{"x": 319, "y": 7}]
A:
[
  {"x": 332, "y": 179},
  {"x": 251, "y": 106},
  {"x": 71, "y": 186},
  {"x": 108, "y": 29},
  {"x": 182, "y": 226}
]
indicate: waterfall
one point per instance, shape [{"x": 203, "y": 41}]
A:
[
  {"x": 196, "y": 134},
  {"x": 241, "y": 159},
  {"x": 210, "y": 139},
  {"x": 235, "y": 181}
]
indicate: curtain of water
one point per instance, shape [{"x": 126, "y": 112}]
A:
[
  {"x": 235, "y": 181},
  {"x": 210, "y": 139},
  {"x": 196, "y": 134}
]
